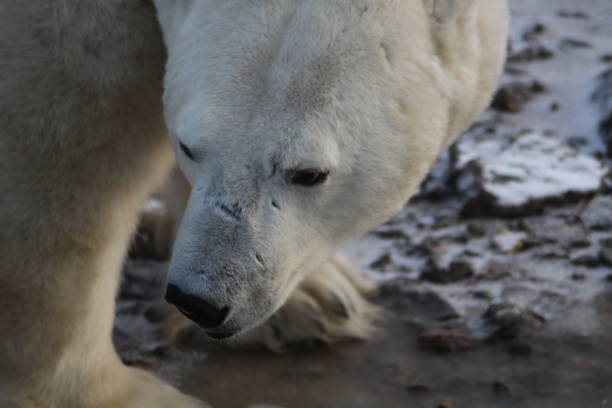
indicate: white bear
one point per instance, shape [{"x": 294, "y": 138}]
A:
[
  {"x": 266, "y": 109},
  {"x": 299, "y": 125}
]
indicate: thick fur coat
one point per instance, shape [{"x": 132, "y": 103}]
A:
[{"x": 368, "y": 92}]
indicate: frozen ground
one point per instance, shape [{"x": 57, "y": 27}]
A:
[{"x": 498, "y": 275}]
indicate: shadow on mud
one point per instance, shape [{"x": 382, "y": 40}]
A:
[{"x": 409, "y": 365}]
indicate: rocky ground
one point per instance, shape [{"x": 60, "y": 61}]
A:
[{"x": 498, "y": 274}]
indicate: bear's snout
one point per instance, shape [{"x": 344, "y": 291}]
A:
[{"x": 204, "y": 313}]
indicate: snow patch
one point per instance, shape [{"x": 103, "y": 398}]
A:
[{"x": 520, "y": 171}]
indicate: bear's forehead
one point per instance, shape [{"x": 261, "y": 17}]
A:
[
  {"x": 300, "y": 72},
  {"x": 291, "y": 59}
]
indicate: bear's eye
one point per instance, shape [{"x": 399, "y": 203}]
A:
[
  {"x": 186, "y": 151},
  {"x": 308, "y": 177}
]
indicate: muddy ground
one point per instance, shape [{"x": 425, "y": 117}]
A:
[{"x": 497, "y": 275}]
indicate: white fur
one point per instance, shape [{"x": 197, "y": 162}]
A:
[{"x": 369, "y": 90}]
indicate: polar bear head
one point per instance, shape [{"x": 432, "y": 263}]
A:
[{"x": 300, "y": 125}]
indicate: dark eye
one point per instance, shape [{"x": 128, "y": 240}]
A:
[
  {"x": 309, "y": 177},
  {"x": 186, "y": 150}
]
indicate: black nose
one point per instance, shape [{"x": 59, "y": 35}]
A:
[{"x": 200, "y": 311}]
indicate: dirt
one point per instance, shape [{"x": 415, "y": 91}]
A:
[{"x": 497, "y": 275}]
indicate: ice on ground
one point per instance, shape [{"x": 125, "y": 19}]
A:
[
  {"x": 509, "y": 241},
  {"x": 525, "y": 170}
]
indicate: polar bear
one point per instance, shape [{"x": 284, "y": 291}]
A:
[{"x": 298, "y": 124}]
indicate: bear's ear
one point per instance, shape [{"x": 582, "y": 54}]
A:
[{"x": 442, "y": 11}]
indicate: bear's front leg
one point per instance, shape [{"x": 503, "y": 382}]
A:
[
  {"x": 57, "y": 295},
  {"x": 329, "y": 306},
  {"x": 145, "y": 390}
]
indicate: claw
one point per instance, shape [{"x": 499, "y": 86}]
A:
[{"x": 339, "y": 308}]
